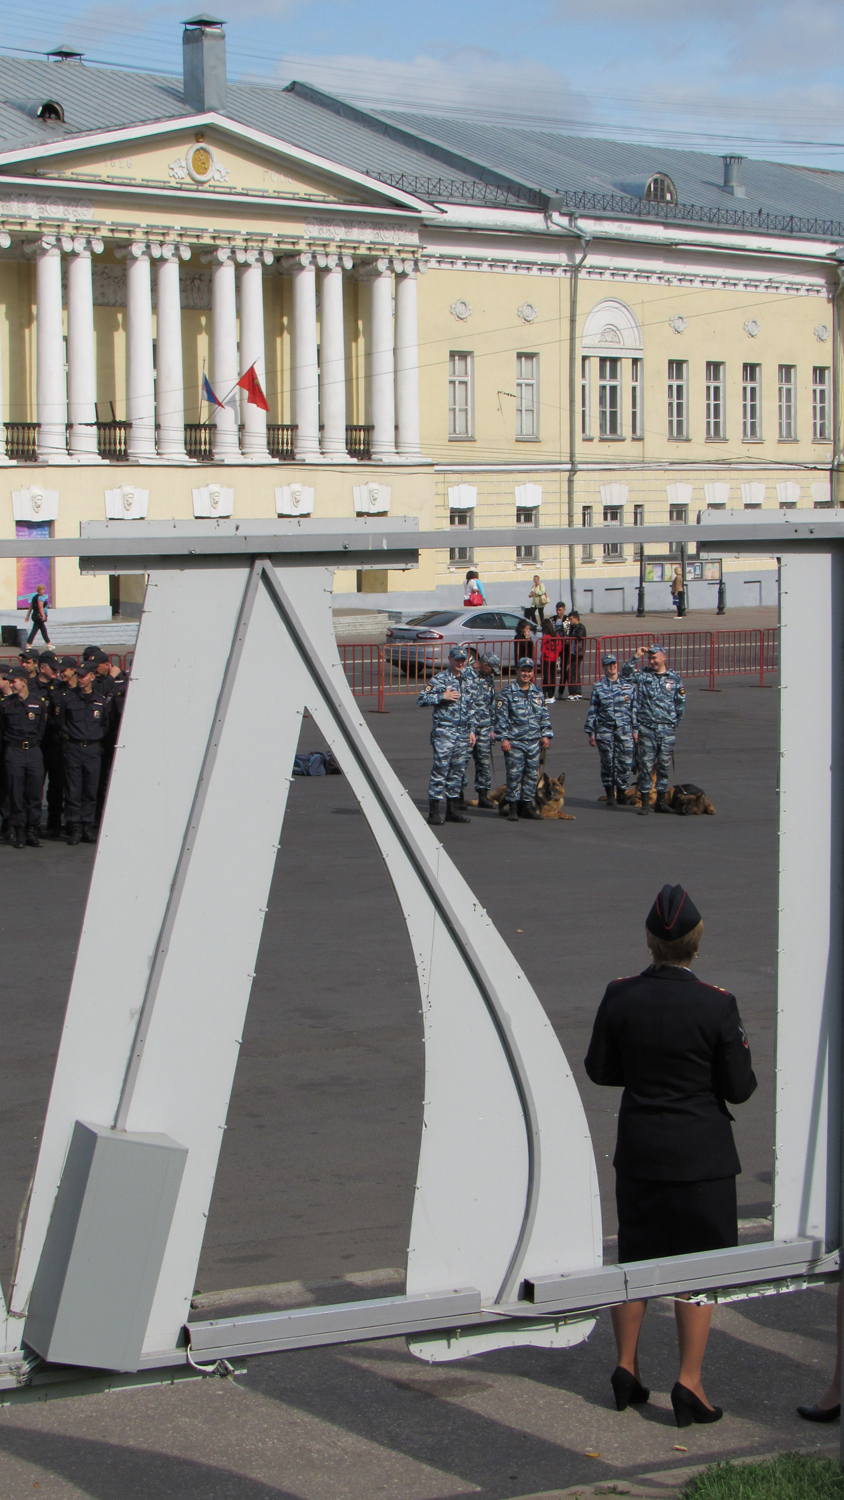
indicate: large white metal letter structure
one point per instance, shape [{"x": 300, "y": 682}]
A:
[{"x": 506, "y": 1185}]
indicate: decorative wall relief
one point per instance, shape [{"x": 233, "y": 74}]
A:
[
  {"x": 213, "y": 500},
  {"x": 678, "y": 324},
  {"x": 751, "y": 328},
  {"x": 372, "y": 499},
  {"x": 126, "y": 503},
  {"x": 822, "y": 333},
  {"x": 35, "y": 504},
  {"x": 294, "y": 500},
  {"x": 460, "y": 310},
  {"x": 527, "y": 312}
]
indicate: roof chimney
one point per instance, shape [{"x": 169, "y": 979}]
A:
[
  {"x": 732, "y": 173},
  {"x": 204, "y": 63}
]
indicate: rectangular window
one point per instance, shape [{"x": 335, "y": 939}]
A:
[
  {"x": 527, "y": 395},
  {"x": 787, "y": 402},
  {"x": 609, "y": 393},
  {"x": 637, "y": 428},
  {"x": 586, "y": 398},
  {"x": 613, "y": 516},
  {"x": 461, "y": 396},
  {"x": 716, "y": 426},
  {"x": 461, "y": 520},
  {"x": 586, "y": 520},
  {"x": 638, "y": 520},
  {"x": 678, "y": 398},
  {"x": 527, "y": 516},
  {"x": 821, "y": 405},
  {"x": 751, "y": 403},
  {"x": 678, "y": 515}
]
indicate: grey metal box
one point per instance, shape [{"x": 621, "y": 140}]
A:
[{"x": 99, "y": 1268}]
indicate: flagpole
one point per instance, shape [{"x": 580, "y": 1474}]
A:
[{"x": 202, "y": 390}]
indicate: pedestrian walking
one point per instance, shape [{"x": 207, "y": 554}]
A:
[
  {"x": 678, "y": 1049},
  {"x": 37, "y": 612},
  {"x": 573, "y": 656},
  {"x": 660, "y": 705},
  {"x": 524, "y": 729},
  {"x": 23, "y": 714},
  {"x": 538, "y": 600},
  {"x": 452, "y": 735},
  {"x": 473, "y": 590},
  {"x": 550, "y": 652},
  {"x": 612, "y": 727}
]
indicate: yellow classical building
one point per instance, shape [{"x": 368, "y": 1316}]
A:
[{"x": 472, "y": 325}]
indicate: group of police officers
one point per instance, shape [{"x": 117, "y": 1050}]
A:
[
  {"x": 58, "y": 723},
  {"x": 633, "y": 717}
]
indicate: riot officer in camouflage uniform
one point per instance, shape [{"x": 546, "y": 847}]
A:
[
  {"x": 524, "y": 728},
  {"x": 611, "y": 725},
  {"x": 453, "y": 732},
  {"x": 482, "y": 673},
  {"x": 660, "y": 705}
]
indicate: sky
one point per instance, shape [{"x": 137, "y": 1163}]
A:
[{"x": 763, "y": 77}]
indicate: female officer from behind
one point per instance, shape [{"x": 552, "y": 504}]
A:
[{"x": 678, "y": 1049}]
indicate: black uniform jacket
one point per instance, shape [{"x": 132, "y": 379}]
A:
[
  {"x": 23, "y": 718},
  {"x": 84, "y": 716},
  {"x": 678, "y": 1048}
]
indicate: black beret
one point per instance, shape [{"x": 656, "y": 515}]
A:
[{"x": 672, "y": 915}]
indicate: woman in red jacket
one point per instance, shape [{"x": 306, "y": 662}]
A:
[{"x": 552, "y": 648}]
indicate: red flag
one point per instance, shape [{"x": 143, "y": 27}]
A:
[{"x": 252, "y": 386}]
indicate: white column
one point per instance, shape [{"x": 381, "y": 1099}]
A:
[
  {"x": 382, "y": 398},
  {"x": 140, "y": 381},
  {"x": 252, "y": 348},
  {"x": 224, "y": 373},
  {"x": 81, "y": 355},
  {"x": 51, "y": 390},
  {"x": 407, "y": 361},
  {"x": 169, "y": 374},
  {"x": 332, "y": 357},
  {"x": 305, "y": 383}
]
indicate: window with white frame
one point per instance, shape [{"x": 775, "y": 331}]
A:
[
  {"x": 660, "y": 189},
  {"x": 678, "y": 398},
  {"x": 527, "y": 395},
  {"x": 821, "y": 405},
  {"x": 613, "y": 516},
  {"x": 461, "y": 395},
  {"x": 638, "y": 520},
  {"x": 461, "y": 521},
  {"x": 586, "y": 520},
  {"x": 751, "y": 403},
  {"x": 678, "y": 515},
  {"x": 637, "y": 427},
  {"x": 527, "y": 516},
  {"x": 716, "y": 425},
  {"x": 609, "y": 398},
  {"x": 586, "y": 397},
  {"x": 787, "y": 402}
]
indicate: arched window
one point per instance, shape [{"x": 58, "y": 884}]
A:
[
  {"x": 660, "y": 189},
  {"x": 51, "y": 111}
]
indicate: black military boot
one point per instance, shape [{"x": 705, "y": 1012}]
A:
[
  {"x": 530, "y": 810},
  {"x": 74, "y": 833},
  {"x": 461, "y": 800},
  {"x": 485, "y": 801},
  {"x": 89, "y": 833},
  {"x": 32, "y": 838},
  {"x": 435, "y": 812},
  {"x": 54, "y": 830},
  {"x": 452, "y": 813},
  {"x": 513, "y": 814},
  {"x": 18, "y": 839},
  {"x": 610, "y": 794},
  {"x": 661, "y": 804},
  {"x": 621, "y": 796}
]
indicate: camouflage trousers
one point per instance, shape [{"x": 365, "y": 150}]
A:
[
  {"x": 451, "y": 752},
  {"x": 480, "y": 754},
  {"x": 522, "y": 770},
  {"x": 616, "y": 752},
  {"x": 655, "y": 748}
]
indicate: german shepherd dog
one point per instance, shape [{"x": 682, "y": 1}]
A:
[
  {"x": 685, "y": 799},
  {"x": 550, "y": 796}
]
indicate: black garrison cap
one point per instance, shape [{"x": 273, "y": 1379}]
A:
[{"x": 672, "y": 915}]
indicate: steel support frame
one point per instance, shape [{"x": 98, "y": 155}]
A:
[{"x": 525, "y": 1258}]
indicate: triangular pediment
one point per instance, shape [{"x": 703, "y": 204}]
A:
[{"x": 204, "y": 152}]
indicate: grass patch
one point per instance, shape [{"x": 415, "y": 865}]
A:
[{"x": 792, "y": 1476}]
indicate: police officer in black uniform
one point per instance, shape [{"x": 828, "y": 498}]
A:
[
  {"x": 678, "y": 1049},
  {"x": 23, "y": 715},
  {"x": 112, "y": 684},
  {"x": 84, "y": 719},
  {"x": 50, "y": 683}
]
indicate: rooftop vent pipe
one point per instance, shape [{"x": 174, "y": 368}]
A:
[
  {"x": 732, "y": 172},
  {"x": 204, "y": 63},
  {"x": 65, "y": 54}
]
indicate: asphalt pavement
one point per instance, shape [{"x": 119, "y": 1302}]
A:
[{"x": 314, "y": 1192}]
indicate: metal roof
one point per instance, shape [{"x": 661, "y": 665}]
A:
[{"x": 438, "y": 159}]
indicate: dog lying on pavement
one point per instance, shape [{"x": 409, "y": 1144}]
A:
[
  {"x": 685, "y": 799},
  {"x": 550, "y": 796}
]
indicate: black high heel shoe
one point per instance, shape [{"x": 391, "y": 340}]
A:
[
  {"x": 819, "y": 1413},
  {"x": 628, "y": 1391},
  {"x": 688, "y": 1407}
]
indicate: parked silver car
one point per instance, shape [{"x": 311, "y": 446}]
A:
[{"x": 421, "y": 644}]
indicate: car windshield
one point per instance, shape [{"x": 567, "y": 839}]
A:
[{"x": 434, "y": 617}]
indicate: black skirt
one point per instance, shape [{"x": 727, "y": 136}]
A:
[{"x": 656, "y": 1219}]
